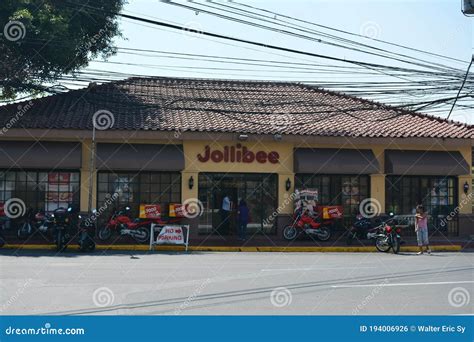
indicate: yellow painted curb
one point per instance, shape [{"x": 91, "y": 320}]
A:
[{"x": 340, "y": 249}]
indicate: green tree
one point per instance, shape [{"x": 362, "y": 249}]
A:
[{"x": 40, "y": 40}]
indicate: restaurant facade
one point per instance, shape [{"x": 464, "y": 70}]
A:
[{"x": 166, "y": 142}]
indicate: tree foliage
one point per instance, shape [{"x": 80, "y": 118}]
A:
[{"x": 40, "y": 40}]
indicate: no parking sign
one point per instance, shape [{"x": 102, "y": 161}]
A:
[{"x": 169, "y": 235}]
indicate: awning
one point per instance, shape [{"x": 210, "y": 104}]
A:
[
  {"x": 335, "y": 161},
  {"x": 428, "y": 163},
  {"x": 138, "y": 157},
  {"x": 40, "y": 155}
]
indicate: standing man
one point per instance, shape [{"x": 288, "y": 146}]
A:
[
  {"x": 243, "y": 220},
  {"x": 225, "y": 214}
]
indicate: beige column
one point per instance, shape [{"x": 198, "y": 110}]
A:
[
  {"x": 285, "y": 197},
  {"x": 85, "y": 177},
  {"x": 465, "y": 200},
  {"x": 186, "y": 192},
  {"x": 377, "y": 191}
]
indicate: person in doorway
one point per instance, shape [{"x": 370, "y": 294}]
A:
[
  {"x": 225, "y": 214},
  {"x": 243, "y": 220},
  {"x": 421, "y": 229}
]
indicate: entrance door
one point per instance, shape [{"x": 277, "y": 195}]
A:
[{"x": 258, "y": 190}]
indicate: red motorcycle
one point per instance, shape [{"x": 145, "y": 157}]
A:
[
  {"x": 305, "y": 223},
  {"x": 121, "y": 222},
  {"x": 139, "y": 229}
]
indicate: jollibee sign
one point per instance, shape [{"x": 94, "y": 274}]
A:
[{"x": 237, "y": 154}]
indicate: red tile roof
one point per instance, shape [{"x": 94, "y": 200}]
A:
[{"x": 158, "y": 103}]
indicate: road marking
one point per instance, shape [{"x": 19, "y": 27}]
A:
[
  {"x": 405, "y": 284},
  {"x": 314, "y": 268}
]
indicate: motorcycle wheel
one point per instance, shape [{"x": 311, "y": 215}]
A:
[
  {"x": 105, "y": 233},
  {"x": 381, "y": 244},
  {"x": 395, "y": 246},
  {"x": 289, "y": 233},
  {"x": 87, "y": 245},
  {"x": 324, "y": 234},
  {"x": 142, "y": 235},
  {"x": 24, "y": 231},
  {"x": 60, "y": 244}
]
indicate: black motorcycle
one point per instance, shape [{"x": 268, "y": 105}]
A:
[
  {"x": 31, "y": 223},
  {"x": 62, "y": 221},
  {"x": 365, "y": 228},
  {"x": 86, "y": 228}
]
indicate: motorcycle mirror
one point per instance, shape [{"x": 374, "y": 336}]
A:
[
  {"x": 94, "y": 211},
  {"x": 127, "y": 208},
  {"x": 80, "y": 216},
  {"x": 391, "y": 214},
  {"x": 69, "y": 209}
]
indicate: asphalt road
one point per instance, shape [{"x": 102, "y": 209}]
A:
[{"x": 236, "y": 283}]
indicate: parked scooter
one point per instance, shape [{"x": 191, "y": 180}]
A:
[
  {"x": 365, "y": 228},
  {"x": 121, "y": 222},
  {"x": 86, "y": 241},
  {"x": 304, "y": 223},
  {"x": 61, "y": 221}
]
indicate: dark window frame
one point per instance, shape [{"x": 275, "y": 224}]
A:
[
  {"x": 37, "y": 192},
  {"x": 403, "y": 202},
  {"x": 331, "y": 193},
  {"x": 165, "y": 190}
]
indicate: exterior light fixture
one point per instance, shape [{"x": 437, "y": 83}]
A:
[
  {"x": 466, "y": 187},
  {"x": 277, "y": 137},
  {"x": 287, "y": 184},
  {"x": 243, "y": 137},
  {"x": 191, "y": 182}
]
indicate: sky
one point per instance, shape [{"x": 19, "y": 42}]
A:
[{"x": 436, "y": 26}]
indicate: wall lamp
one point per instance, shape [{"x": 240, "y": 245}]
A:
[
  {"x": 466, "y": 188},
  {"x": 191, "y": 182},
  {"x": 288, "y": 184},
  {"x": 243, "y": 137},
  {"x": 277, "y": 137}
]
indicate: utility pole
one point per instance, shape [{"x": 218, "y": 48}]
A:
[{"x": 91, "y": 170}]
